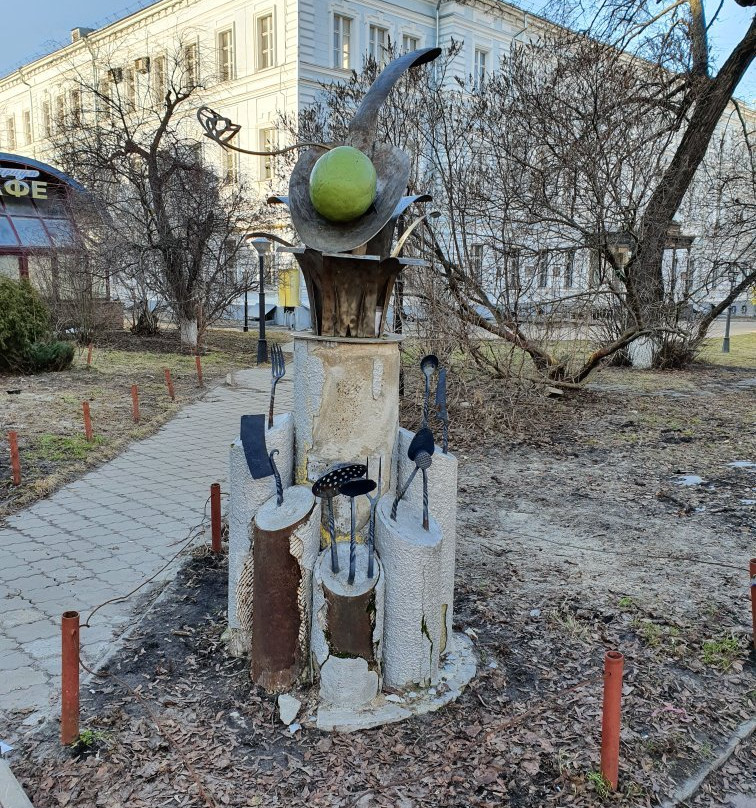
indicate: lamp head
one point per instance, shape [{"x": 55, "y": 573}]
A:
[{"x": 261, "y": 244}]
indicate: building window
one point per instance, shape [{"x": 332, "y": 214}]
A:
[
  {"x": 230, "y": 165},
  {"x": 158, "y": 79},
  {"x": 265, "y": 42},
  {"x": 512, "y": 269},
  {"x": 47, "y": 118},
  {"x": 75, "y": 102},
  {"x": 378, "y": 44},
  {"x": 342, "y": 41},
  {"x": 476, "y": 262},
  {"x": 481, "y": 59},
  {"x": 569, "y": 270},
  {"x": 191, "y": 66},
  {"x": 60, "y": 113},
  {"x": 102, "y": 99},
  {"x": 542, "y": 266},
  {"x": 268, "y": 142},
  {"x": 129, "y": 79},
  {"x": 10, "y": 132},
  {"x": 27, "y": 125},
  {"x": 409, "y": 43},
  {"x": 226, "y": 66}
]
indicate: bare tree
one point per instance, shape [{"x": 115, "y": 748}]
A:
[
  {"x": 174, "y": 225},
  {"x": 543, "y": 173}
]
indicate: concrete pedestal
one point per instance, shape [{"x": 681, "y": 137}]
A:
[
  {"x": 346, "y": 409},
  {"x": 284, "y": 550},
  {"x": 442, "y": 497},
  {"x": 245, "y": 497},
  {"x": 347, "y": 630},
  {"x": 411, "y": 560}
]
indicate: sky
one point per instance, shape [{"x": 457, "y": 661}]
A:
[{"x": 37, "y": 26}]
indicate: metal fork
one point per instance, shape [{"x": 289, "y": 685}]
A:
[{"x": 278, "y": 371}]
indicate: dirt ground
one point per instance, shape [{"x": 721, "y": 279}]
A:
[
  {"x": 625, "y": 521},
  {"x": 46, "y": 409}
]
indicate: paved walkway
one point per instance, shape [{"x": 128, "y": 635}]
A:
[{"x": 101, "y": 536}]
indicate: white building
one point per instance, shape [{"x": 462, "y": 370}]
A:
[{"x": 257, "y": 60}]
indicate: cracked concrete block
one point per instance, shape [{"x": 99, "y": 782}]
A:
[
  {"x": 411, "y": 559},
  {"x": 245, "y": 497},
  {"x": 346, "y": 409},
  {"x": 442, "y": 498},
  {"x": 284, "y": 551},
  {"x": 347, "y": 629}
]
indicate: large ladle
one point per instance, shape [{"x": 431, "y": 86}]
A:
[
  {"x": 352, "y": 489},
  {"x": 428, "y": 365},
  {"x": 420, "y": 451},
  {"x": 327, "y": 487}
]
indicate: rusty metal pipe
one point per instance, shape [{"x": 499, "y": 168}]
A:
[
  {"x": 215, "y": 516},
  {"x": 14, "y": 457},
  {"x": 135, "y": 414},
  {"x": 87, "y": 421},
  {"x": 169, "y": 383},
  {"x": 611, "y": 716},
  {"x": 69, "y": 707},
  {"x": 198, "y": 363},
  {"x": 752, "y": 570}
]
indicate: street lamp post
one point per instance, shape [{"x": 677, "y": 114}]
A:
[
  {"x": 261, "y": 245},
  {"x": 246, "y": 304},
  {"x": 726, "y": 340}
]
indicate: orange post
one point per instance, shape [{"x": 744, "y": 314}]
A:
[
  {"x": 215, "y": 517},
  {"x": 169, "y": 382},
  {"x": 198, "y": 363},
  {"x": 611, "y": 716},
  {"x": 15, "y": 461},
  {"x": 87, "y": 421},
  {"x": 69, "y": 708},
  {"x": 752, "y": 570},
  {"x": 89, "y": 355},
  {"x": 135, "y": 403}
]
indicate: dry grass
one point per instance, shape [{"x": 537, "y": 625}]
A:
[{"x": 742, "y": 351}]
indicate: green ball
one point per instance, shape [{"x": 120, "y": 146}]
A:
[{"x": 342, "y": 184}]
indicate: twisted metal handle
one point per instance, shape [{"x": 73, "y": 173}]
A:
[
  {"x": 332, "y": 537},
  {"x": 279, "y": 484}
]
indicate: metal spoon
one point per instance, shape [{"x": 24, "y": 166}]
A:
[
  {"x": 352, "y": 489},
  {"x": 327, "y": 487},
  {"x": 428, "y": 365},
  {"x": 371, "y": 530},
  {"x": 420, "y": 450}
]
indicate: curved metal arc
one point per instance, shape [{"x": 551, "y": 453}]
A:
[
  {"x": 434, "y": 214},
  {"x": 363, "y": 124}
]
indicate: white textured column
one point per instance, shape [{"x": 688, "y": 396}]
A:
[
  {"x": 245, "y": 497},
  {"x": 442, "y": 504},
  {"x": 346, "y": 409},
  {"x": 412, "y": 623},
  {"x": 347, "y": 629}
]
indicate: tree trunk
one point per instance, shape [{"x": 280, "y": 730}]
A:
[{"x": 188, "y": 333}]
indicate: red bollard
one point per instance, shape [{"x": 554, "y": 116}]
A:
[
  {"x": 169, "y": 382},
  {"x": 15, "y": 461},
  {"x": 89, "y": 355},
  {"x": 135, "y": 403},
  {"x": 198, "y": 363},
  {"x": 215, "y": 517},
  {"x": 611, "y": 716},
  {"x": 69, "y": 707},
  {"x": 752, "y": 570},
  {"x": 87, "y": 421}
]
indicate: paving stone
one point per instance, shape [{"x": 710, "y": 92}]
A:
[{"x": 19, "y": 679}]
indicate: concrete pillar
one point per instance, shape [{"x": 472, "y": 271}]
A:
[
  {"x": 411, "y": 559},
  {"x": 245, "y": 497},
  {"x": 442, "y": 499},
  {"x": 346, "y": 409},
  {"x": 347, "y": 629},
  {"x": 284, "y": 550}
]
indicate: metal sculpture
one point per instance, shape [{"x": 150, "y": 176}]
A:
[
  {"x": 428, "y": 365},
  {"x": 277, "y": 476},
  {"x": 443, "y": 413},
  {"x": 348, "y": 266},
  {"x": 252, "y": 434},
  {"x": 421, "y": 452},
  {"x": 326, "y": 488},
  {"x": 354, "y": 489},
  {"x": 278, "y": 371}
]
